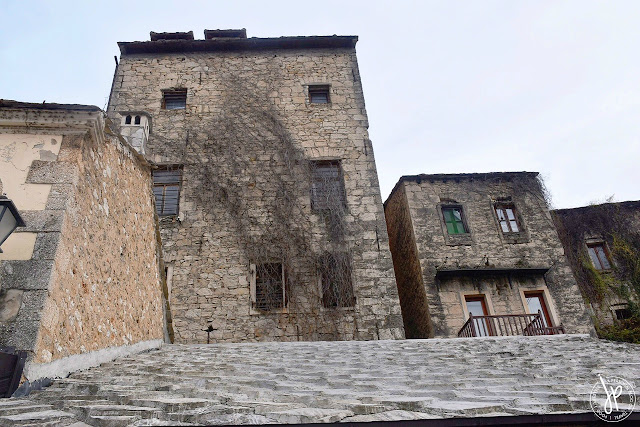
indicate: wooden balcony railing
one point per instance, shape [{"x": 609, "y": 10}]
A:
[{"x": 508, "y": 325}]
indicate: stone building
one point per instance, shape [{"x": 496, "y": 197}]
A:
[
  {"x": 271, "y": 218},
  {"x": 80, "y": 283},
  {"x": 602, "y": 243},
  {"x": 480, "y": 244}
]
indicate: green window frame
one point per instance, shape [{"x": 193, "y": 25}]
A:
[{"x": 454, "y": 220}]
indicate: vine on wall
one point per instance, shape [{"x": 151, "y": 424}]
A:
[{"x": 617, "y": 226}]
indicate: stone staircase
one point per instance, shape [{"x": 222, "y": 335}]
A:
[{"x": 332, "y": 381}]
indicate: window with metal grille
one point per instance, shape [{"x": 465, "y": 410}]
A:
[
  {"x": 335, "y": 279},
  {"x": 269, "y": 290},
  {"x": 599, "y": 256},
  {"x": 166, "y": 189},
  {"x": 454, "y": 220},
  {"x": 319, "y": 94},
  {"x": 327, "y": 186},
  {"x": 174, "y": 99},
  {"x": 507, "y": 218},
  {"x": 623, "y": 313}
]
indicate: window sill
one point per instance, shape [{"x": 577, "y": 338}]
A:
[
  {"x": 515, "y": 238},
  {"x": 256, "y": 312},
  {"x": 459, "y": 239},
  {"x": 338, "y": 309}
]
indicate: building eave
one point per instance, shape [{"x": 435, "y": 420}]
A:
[
  {"x": 455, "y": 272},
  {"x": 484, "y": 176},
  {"x": 237, "y": 44}
]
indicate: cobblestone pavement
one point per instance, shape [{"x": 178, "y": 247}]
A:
[{"x": 331, "y": 381}]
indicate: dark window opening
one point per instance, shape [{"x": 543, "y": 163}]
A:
[
  {"x": 166, "y": 189},
  {"x": 137, "y": 120},
  {"x": 335, "y": 277},
  {"x": 507, "y": 218},
  {"x": 270, "y": 287},
  {"x": 623, "y": 313},
  {"x": 599, "y": 256},
  {"x": 174, "y": 99},
  {"x": 319, "y": 94},
  {"x": 127, "y": 120},
  {"x": 454, "y": 220},
  {"x": 327, "y": 186}
]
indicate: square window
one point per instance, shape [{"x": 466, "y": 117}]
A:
[
  {"x": 454, "y": 220},
  {"x": 507, "y": 218},
  {"x": 166, "y": 189},
  {"x": 319, "y": 94},
  {"x": 174, "y": 99},
  {"x": 599, "y": 256},
  {"x": 335, "y": 279},
  {"x": 269, "y": 291},
  {"x": 327, "y": 186}
]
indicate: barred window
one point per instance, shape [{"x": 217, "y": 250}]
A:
[
  {"x": 327, "y": 186},
  {"x": 166, "y": 189},
  {"x": 269, "y": 290},
  {"x": 335, "y": 279},
  {"x": 174, "y": 99}
]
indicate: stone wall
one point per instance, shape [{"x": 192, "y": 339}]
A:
[
  {"x": 245, "y": 142},
  {"x": 532, "y": 259},
  {"x": 92, "y": 281},
  {"x": 616, "y": 227},
  {"x": 406, "y": 265}
]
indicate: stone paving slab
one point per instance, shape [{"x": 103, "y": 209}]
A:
[{"x": 355, "y": 381}]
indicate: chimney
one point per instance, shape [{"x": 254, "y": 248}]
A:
[
  {"x": 171, "y": 36},
  {"x": 225, "y": 34}
]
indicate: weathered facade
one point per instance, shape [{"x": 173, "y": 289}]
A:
[
  {"x": 602, "y": 243},
  {"x": 83, "y": 275},
  {"x": 271, "y": 217},
  {"x": 483, "y": 244}
]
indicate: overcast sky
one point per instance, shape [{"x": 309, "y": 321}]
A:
[{"x": 450, "y": 86}]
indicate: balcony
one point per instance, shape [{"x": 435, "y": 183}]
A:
[{"x": 508, "y": 325}]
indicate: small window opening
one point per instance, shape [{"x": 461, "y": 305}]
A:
[
  {"x": 166, "y": 189},
  {"x": 599, "y": 256},
  {"x": 623, "y": 313},
  {"x": 454, "y": 220},
  {"x": 175, "y": 99},
  {"x": 319, "y": 94},
  {"x": 127, "y": 120},
  {"x": 507, "y": 218},
  {"x": 327, "y": 186},
  {"x": 335, "y": 277},
  {"x": 137, "y": 120},
  {"x": 270, "y": 292}
]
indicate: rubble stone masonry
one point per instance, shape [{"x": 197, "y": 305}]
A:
[
  {"x": 484, "y": 261},
  {"x": 92, "y": 280},
  {"x": 244, "y": 144}
]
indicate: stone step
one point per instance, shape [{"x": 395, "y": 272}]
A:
[
  {"x": 120, "y": 410},
  {"x": 23, "y": 408},
  {"x": 112, "y": 420},
  {"x": 39, "y": 417}
]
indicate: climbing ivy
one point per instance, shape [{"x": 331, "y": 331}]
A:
[{"x": 613, "y": 222}]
